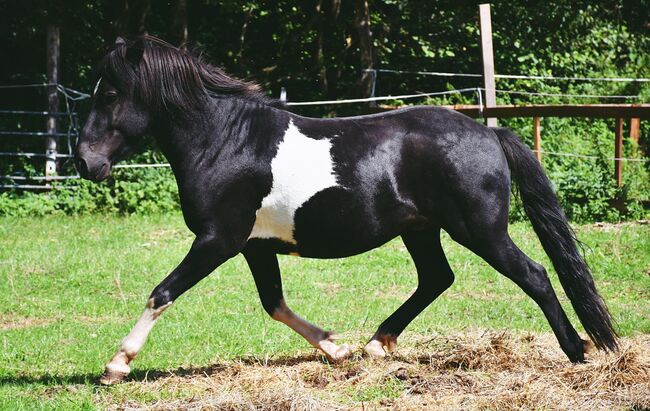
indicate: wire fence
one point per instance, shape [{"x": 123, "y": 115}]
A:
[
  {"x": 71, "y": 97},
  {"x": 515, "y": 76}
]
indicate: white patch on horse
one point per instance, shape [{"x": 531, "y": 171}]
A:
[
  {"x": 97, "y": 86},
  {"x": 301, "y": 168},
  {"x": 132, "y": 344}
]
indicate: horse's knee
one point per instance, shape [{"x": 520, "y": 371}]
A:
[
  {"x": 445, "y": 281},
  {"x": 278, "y": 310},
  {"x": 159, "y": 297},
  {"x": 436, "y": 284}
]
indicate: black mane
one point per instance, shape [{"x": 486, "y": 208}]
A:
[{"x": 169, "y": 79}]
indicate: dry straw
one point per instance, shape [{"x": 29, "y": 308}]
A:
[{"x": 472, "y": 370}]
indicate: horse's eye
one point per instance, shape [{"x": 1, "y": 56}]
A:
[{"x": 109, "y": 97}]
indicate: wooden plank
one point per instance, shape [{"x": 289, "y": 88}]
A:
[
  {"x": 52, "y": 39},
  {"x": 485, "y": 23},
  {"x": 618, "y": 152},
  {"x": 641, "y": 111},
  {"x": 538, "y": 138}
]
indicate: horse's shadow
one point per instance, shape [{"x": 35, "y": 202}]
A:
[{"x": 153, "y": 374}]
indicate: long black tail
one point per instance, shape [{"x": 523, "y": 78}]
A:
[{"x": 558, "y": 239}]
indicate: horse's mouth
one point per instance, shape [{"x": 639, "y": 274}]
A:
[{"x": 103, "y": 173}]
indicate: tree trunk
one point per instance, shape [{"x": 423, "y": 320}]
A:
[
  {"x": 131, "y": 17},
  {"x": 53, "y": 42},
  {"x": 362, "y": 20},
  {"x": 242, "y": 37},
  {"x": 179, "y": 23},
  {"x": 331, "y": 45}
]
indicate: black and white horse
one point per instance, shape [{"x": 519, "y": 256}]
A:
[{"x": 256, "y": 179}]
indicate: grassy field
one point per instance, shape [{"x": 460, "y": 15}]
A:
[{"x": 72, "y": 288}]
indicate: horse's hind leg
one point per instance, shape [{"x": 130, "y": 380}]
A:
[
  {"x": 266, "y": 273},
  {"x": 498, "y": 249},
  {"x": 434, "y": 277}
]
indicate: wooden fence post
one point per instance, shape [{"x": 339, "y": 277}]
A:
[
  {"x": 537, "y": 133},
  {"x": 53, "y": 42},
  {"x": 485, "y": 23},
  {"x": 618, "y": 152}
]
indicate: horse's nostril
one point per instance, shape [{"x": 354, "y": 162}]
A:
[{"x": 82, "y": 167}]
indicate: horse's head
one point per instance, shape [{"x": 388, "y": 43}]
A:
[
  {"x": 144, "y": 81},
  {"x": 118, "y": 119}
]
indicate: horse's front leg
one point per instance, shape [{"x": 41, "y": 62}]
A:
[
  {"x": 206, "y": 254},
  {"x": 266, "y": 273}
]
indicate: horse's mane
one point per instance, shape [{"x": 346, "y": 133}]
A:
[{"x": 169, "y": 79}]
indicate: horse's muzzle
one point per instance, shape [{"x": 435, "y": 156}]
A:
[{"x": 94, "y": 168}]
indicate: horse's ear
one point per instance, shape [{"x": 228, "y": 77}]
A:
[
  {"x": 134, "y": 53},
  {"x": 119, "y": 41}
]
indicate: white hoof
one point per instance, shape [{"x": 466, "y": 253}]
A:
[
  {"x": 116, "y": 370},
  {"x": 375, "y": 349},
  {"x": 334, "y": 352}
]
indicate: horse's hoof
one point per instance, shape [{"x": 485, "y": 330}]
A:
[
  {"x": 333, "y": 352},
  {"x": 588, "y": 346},
  {"x": 381, "y": 344},
  {"x": 342, "y": 353},
  {"x": 114, "y": 374},
  {"x": 375, "y": 349}
]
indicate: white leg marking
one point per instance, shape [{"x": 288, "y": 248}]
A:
[
  {"x": 118, "y": 367},
  {"x": 301, "y": 168},
  {"x": 314, "y": 335}
]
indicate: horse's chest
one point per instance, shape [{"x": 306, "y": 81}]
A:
[{"x": 301, "y": 168}]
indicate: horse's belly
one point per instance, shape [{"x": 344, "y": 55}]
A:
[{"x": 333, "y": 223}]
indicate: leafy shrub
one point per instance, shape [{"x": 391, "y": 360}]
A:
[
  {"x": 128, "y": 191},
  {"x": 586, "y": 186}
]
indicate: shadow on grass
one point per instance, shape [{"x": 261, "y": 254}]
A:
[{"x": 153, "y": 374}]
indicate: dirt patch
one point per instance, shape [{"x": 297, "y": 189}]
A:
[
  {"x": 473, "y": 370},
  {"x": 9, "y": 322},
  {"x": 18, "y": 323},
  {"x": 619, "y": 226}
]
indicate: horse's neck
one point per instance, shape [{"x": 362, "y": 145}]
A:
[{"x": 224, "y": 123}]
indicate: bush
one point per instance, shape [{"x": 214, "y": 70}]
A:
[
  {"x": 128, "y": 191},
  {"x": 586, "y": 186}
]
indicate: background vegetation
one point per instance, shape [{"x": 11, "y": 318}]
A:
[{"x": 318, "y": 49}]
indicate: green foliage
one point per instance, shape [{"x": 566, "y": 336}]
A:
[
  {"x": 585, "y": 186},
  {"x": 312, "y": 48},
  {"x": 128, "y": 191}
]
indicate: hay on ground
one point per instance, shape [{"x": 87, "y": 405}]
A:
[{"x": 473, "y": 370}]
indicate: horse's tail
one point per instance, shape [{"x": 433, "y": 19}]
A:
[{"x": 558, "y": 239}]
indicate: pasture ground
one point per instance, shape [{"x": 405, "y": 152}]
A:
[{"x": 72, "y": 288}]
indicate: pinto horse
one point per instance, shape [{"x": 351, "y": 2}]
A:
[{"x": 256, "y": 179}]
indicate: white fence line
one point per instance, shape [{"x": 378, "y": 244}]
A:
[
  {"x": 513, "y": 76},
  {"x": 370, "y": 99},
  {"x": 152, "y": 165}
]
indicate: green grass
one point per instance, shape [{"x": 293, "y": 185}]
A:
[{"x": 72, "y": 288}]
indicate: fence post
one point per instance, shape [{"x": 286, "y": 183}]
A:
[
  {"x": 618, "y": 152},
  {"x": 53, "y": 41},
  {"x": 485, "y": 23},
  {"x": 537, "y": 133}
]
